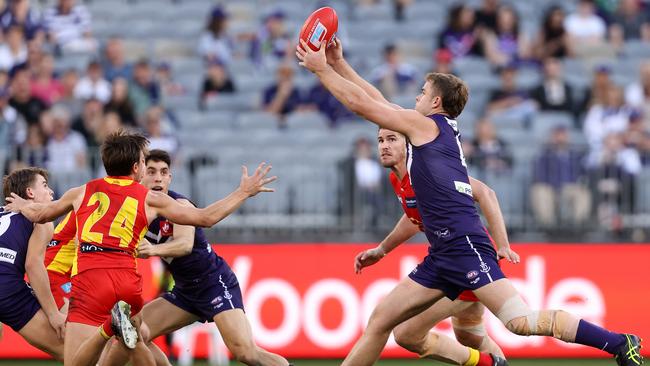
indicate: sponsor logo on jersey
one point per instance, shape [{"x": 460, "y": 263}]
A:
[
  {"x": 463, "y": 187},
  {"x": 471, "y": 274},
  {"x": 7, "y": 255},
  {"x": 475, "y": 281},
  {"x": 53, "y": 243},
  {"x": 66, "y": 287},
  {"x": 442, "y": 233},
  {"x": 485, "y": 268},
  {"x": 411, "y": 202},
  {"x": 216, "y": 300}
]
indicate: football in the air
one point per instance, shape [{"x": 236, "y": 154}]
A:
[{"x": 319, "y": 27}]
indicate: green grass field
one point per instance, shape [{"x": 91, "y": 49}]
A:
[{"x": 382, "y": 363}]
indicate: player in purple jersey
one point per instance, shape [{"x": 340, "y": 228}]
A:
[
  {"x": 205, "y": 288},
  {"x": 28, "y": 310},
  {"x": 460, "y": 256}
]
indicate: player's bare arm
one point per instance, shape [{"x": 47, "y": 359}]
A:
[
  {"x": 418, "y": 128},
  {"x": 161, "y": 204},
  {"x": 403, "y": 231},
  {"x": 179, "y": 246},
  {"x": 45, "y": 211},
  {"x": 489, "y": 203},
  {"x": 37, "y": 274}
]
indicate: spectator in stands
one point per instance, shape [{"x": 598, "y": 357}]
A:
[
  {"x": 44, "y": 85},
  {"x": 144, "y": 91},
  {"x": 487, "y": 152},
  {"x": 69, "y": 81},
  {"x": 12, "y": 125},
  {"x": 509, "y": 99},
  {"x": 507, "y": 43},
  {"x": 217, "y": 80},
  {"x": 14, "y": 51},
  {"x": 272, "y": 42},
  {"x": 155, "y": 132},
  {"x": 399, "y": 7},
  {"x": 443, "y": 61},
  {"x": 33, "y": 152},
  {"x": 29, "y": 106},
  {"x": 69, "y": 27},
  {"x": 215, "y": 43},
  {"x": 486, "y": 15},
  {"x": 322, "y": 100},
  {"x": 611, "y": 117},
  {"x": 600, "y": 85},
  {"x": 644, "y": 149},
  {"x": 460, "y": 36},
  {"x": 283, "y": 97},
  {"x": 637, "y": 94},
  {"x": 120, "y": 102},
  {"x": 19, "y": 12},
  {"x": 553, "y": 94},
  {"x": 630, "y": 23},
  {"x": 367, "y": 175},
  {"x": 110, "y": 123},
  {"x": 586, "y": 30},
  {"x": 553, "y": 39},
  {"x": 66, "y": 147},
  {"x": 93, "y": 85},
  {"x": 635, "y": 134},
  {"x": 393, "y": 76},
  {"x": 558, "y": 194},
  {"x": 90, "y": 120},
  {"x": 168, "y": 86},
  {"x": 114, "y": 63}
]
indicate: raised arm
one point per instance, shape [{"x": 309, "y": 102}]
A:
[
  {"x": 180, "y": 245},
  {"x": 418, "y": 128},
  {"x": 37, "y": 274},
  {"x": 160, "y": 204},
  {"x": 487, "y": 200},
  {"x": 45, "y": 212},
  {"x": 335, "y": 59}
]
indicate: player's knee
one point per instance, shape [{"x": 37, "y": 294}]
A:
[
  {"x": 407, "y": 340},
  {"x": 556, "y": 323},
  {"x": 245, "y": 354}
]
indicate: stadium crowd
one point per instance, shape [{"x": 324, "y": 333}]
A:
[{"x": 559, "y": 94}]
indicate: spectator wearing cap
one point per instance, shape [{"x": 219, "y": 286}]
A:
[
  {"x": 14, "y": 51},
  {"x": 553, "y": 39},
  {"x": 113, "y": 61},
  {"x": 442, "y": 59},
  {"x": 215, "y": 43},
  {"x": 144, "y": 91},
  {"x": 272, "y": 43},
  {"x": 93, "y": 85},
  {"x": 19, "y": 12},
  {"x": 393, "y": 76},
  {"x": 559, "y": 193},
  {"x": 283, "y": 97},
  {"x": 44, "y": 85},
  {"x": 630, "y": 23},
  {"x": 67, "y": 148},
  {"x": 29, "y": 106},
  {"x": 508, "y": 99},
  {"x": 69, "y": 27},
  {"x": 216, "y": 81},
  {"x": 637, "y": 94},
  {"x": 460, "y": 36},
  {"x": 554, "y": 93}
]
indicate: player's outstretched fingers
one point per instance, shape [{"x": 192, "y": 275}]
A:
[{"x": 244, "y": 171}]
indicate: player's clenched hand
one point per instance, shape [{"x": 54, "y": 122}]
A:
[
  {"x": 508, "y": 254},
  {"x": 57, "y": 321},
  {"x": 313, "y": 61},
  {"x": 367, "y": 258},
  {"x": 146, "y": 249},
  {"x": 257, "y": 182},
  {"x": 334, "y": 53},
  {"x": 15, "y": 203}
]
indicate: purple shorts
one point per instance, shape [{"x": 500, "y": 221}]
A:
[
  {"x": 469, "y": 266},
  {"x": 216, "y": 293},
  {"x": 19, "y": 308}
]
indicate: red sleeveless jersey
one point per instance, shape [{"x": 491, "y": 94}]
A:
[
  {"x": 60, "y": 253},
  {"x": 111, "y": 222}
]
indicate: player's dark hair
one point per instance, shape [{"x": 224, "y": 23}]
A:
[
  {"x": 19, "y": 180},
  {"x": 451, "y": 89},
  {"x": 157, "y": 155},
  {"x": 121, "y": 150}
]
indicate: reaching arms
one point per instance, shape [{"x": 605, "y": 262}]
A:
[
  {"x": 160, "y": 204},
  {"x": 44, "y": 212},
  {"x": 487, "y": 200},
  {"x": 403, "y": 231},
  {"x": 179, "y": 246},
  {"x": 37, "y": 274}
]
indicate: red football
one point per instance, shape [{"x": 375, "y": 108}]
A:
[{"x": 320, "y": 27}]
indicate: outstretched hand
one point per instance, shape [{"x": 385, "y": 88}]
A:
[
  {"x": 257, "y": 182},
  {"x": 334, "y": 52},
  {"x": 313, "y": 61}
]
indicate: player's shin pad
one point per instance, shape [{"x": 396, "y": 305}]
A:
[{"x": 519, "y": 319}]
